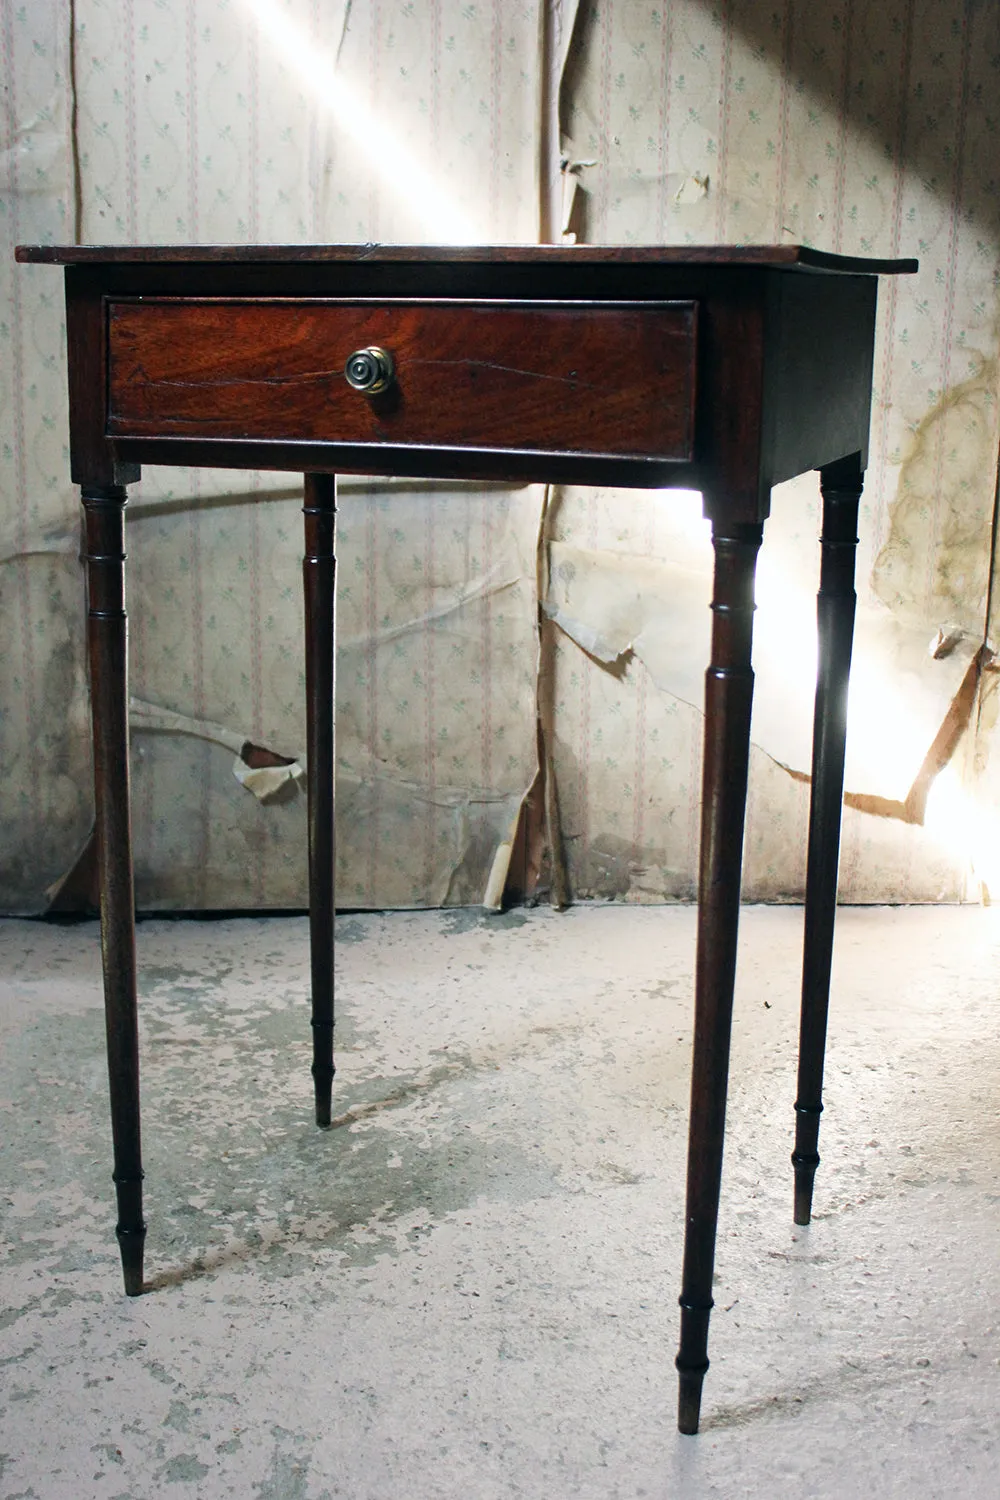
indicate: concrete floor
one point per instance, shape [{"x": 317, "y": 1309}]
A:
[{"x": 468, "y": 1288}]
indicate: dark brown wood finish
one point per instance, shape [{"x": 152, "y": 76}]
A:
[
  {"x": 841, "y": 485},
  {"x": 600, "y": 255},
  {"x": 611, "y": 381},
  {"x": 319, "y": 578},
  {"x": 107, "y": 641},
  {"x": 818, "y": 409},
  {"x": 728, "y": 702},
  {"x": 93, "y": 460},
  {"x": 764, "y": 372},
  {"x": 738, "y": 394}
]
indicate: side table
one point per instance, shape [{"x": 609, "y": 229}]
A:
[{"x": 716, "y": 369}]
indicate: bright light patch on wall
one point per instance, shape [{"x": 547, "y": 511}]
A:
[
  {"x": 887, "y": 741},
  {"x": 965, "y": 828},
  {"x": 887, "y": 737},
  {"x": 785, "y": 626},
  {"x": 388, "y": 156},
  {"x": 687, "y": 516}
]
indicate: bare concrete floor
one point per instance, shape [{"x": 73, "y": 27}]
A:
[{"x": 468, "y": 1287}]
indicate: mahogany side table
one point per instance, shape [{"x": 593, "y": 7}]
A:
[{"x": 721, "y": 370}]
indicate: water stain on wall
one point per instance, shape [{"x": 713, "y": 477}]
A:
[{"x": 934, "y": 565}]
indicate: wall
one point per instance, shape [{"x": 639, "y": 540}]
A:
[
  {"x": 859, "y": 129},
  {"x": 851, "y": 128}
]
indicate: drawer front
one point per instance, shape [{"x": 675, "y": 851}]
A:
[{"x": 615, "y": 380}]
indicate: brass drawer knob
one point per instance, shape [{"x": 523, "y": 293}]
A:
[{"x": 370, "y": 370}]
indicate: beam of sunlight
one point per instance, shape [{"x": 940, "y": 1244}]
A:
[
  {"x": 688, "y": 519},
  {"x": 887, "y": 740},
  {"x": 387, "y": 155},
  {"x": 965, "y": 828}
]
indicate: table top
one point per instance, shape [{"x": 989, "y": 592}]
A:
[
  {"x": 720, "y": 368},
  {"x": 789, "y": 257}
]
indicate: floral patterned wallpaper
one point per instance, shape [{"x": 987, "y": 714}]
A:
[{"x": 854, "y": 128}]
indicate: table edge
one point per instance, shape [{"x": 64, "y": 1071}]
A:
[{"x": 796, "y": 257}]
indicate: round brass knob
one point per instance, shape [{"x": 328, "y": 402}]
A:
[{"x": 370, "y": 370}]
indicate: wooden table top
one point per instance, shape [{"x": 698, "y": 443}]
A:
[{"x": 792, "y": 257}]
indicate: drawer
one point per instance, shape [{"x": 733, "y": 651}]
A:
[{"x": 596, "y": 379}]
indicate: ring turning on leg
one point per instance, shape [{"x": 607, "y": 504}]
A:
[{"x": 728, "y": 701}]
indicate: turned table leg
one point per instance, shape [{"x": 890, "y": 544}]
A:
[
  {"x": 319, "y": 576},
  {"x": 728, "y": 700},
  {"x": 841, "y": 487},
  {"x": 107, "y": 642}
]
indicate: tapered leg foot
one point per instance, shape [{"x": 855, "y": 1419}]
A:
[
  {"x": 689, "y": 1401},
  {"x": 692, "y": 1365},
  {"x": 323, "y": 1075},
  {"x": 132, "y": 1243},
  {"x": 805, "y": 1159},
  {"x": 805, "y": 1176}
]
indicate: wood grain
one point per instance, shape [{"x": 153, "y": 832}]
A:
[{"x": 617, "y": 381}]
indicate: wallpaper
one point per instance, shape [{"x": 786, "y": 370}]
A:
[
  {"x": 861, "y": 129},
  {"x": 854, "y": 128}
]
